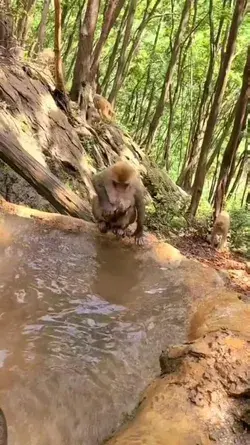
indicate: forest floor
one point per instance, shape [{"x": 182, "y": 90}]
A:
[{"x": 232, "y": 266}]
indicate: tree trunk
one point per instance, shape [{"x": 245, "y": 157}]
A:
[
  {"x": 240, "y": 170},
  {"x": 43, "y": 180},
  {"x": 68, "y": 7},
  {"x": 214, "y": 178},
  {"x": 139, "y": 128},
  {"x": 106, "y": 80},
  {"x": 42, "y": 28},
  {"x": 233, "y": 143},
  {"x": 81, "y": 75},
  {"x": 23, "y": 22},
  {"x": 221, "y": 140},
  {"x": 7, "y": 40},
  {"x": 148, "y": 109},
  {"x": 60, "y": 91},
  {"x": 122, "y": 60},
  {"x": 110, "y": 16},
  {"x": 147, "y": 16},
  {"x": 175, "y": 97},
  {"x": 188, "y": 169},
  {"x": 169, "y": 73},
  {"x": 221, "y": 83},
  {"x": 72, "y": 34},
  {"x": 247, "y": 183}
]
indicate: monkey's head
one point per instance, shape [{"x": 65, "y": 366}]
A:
[{"x": 122, "y": 175}]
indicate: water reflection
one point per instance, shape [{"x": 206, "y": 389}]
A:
[{"x": 82, "y": 324}]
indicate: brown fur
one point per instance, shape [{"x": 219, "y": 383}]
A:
[
  {"x": 221, "y": 228},
  {"x": 3, "y": 429},
  {"x": 119, "y": 201},
  {"x": 122, "y": 172},
  {"x": 103, "y": 106}
]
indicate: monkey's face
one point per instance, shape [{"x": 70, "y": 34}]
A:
[{"x": 121, "y": 187}]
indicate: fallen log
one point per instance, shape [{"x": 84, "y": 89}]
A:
[
  {"x": 158, "y": 250},
  {"x": 40, "y": 177}
]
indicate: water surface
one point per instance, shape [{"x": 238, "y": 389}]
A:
[{"x": 82, "y": 324}]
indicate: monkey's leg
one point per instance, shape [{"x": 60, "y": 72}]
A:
[
  {"x": 102, "y": 224},
  {"x": 223, "y": 241},
  {"x": 213, "y": 238}
]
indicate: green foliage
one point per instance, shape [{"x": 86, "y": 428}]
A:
[
  {"x": 141, "y": 87},
  {"x": 240, "y": 230}
]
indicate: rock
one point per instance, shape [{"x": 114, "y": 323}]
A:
[{"x": 248, "y": 267}]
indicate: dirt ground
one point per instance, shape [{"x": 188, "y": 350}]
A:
[{"x": 232, "y": 266}]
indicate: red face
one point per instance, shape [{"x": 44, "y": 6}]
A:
[{"x": 120, "y": 187}]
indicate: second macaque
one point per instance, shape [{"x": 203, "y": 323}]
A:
[
  {"x": 221, "y": 228},
  {"x": 119, "y": 201},
  {"x": 103, "y": 106}
]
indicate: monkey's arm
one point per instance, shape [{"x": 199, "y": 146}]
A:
[
  {"x": 102, "y": 193},
  {"x": 140, "y": 208},
  {"x": 98, "y": 183}
]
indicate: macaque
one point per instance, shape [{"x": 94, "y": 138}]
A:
[
  {"x": 221, "y": 228},
  {"x": 3, "y": 429},
  {"x": 119, "y": 201},
  {"x": 104, "y": 108}
]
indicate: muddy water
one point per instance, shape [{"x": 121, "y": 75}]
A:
[{"x": 82, "y": 324}]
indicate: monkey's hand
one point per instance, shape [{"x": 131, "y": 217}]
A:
[
  {"x": 108, "y": 210},
  {"x": 139, "y": 238}
]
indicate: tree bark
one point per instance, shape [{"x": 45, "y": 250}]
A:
[
  {"x": 221, "y": 83},
  {"x": 85, "y": 47},
  {"x": 168, "y": 76},
  {"x": 23, "y": 22},
  {"x": 57, "y": 47},
  {"x": 239, "y": 169},
  {"x": 188, "y": 169},
  {"x": 122, "y": 60},
  {"x": 106, "y": 80},
  {"x": 233, "y": 143},
  {"x": 247, "y": 183},
  {"x": 72, "y": 34},
  {"x": 139, "y": 129},
  {"x": 147, "y": 16},
  {"x": 42, "y": 28},
  {"x": 110, "y": 16},
  {"x": 60, "y": 91},
  {"x": 7, "y": 40},
  {"x": 46, "y": 184},
  {"x": 221, "y": 140}
]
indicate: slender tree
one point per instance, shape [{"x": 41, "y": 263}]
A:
[
  {"x": 24, "y": 20},
  {"x": 111, "y": 14},
  {"x": 169, "y": 74},
  {"x": 139, "y": 129},
  {"x": 239, "y": 169},
  {"x": 60, "y": 92},
  {"x": 7, "y": 40},
  {"x": 226, "y": 61},
  {"x": 72, "y": 34},
  {"x": 114, "y": 52},
  {"x": 122, "y": 60},
  {"x": 198, "y": 127},
  {"x": 233, "y": 143},
  {"x": 42, "y": 28},
  {"x": 81, "y": 76}
]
